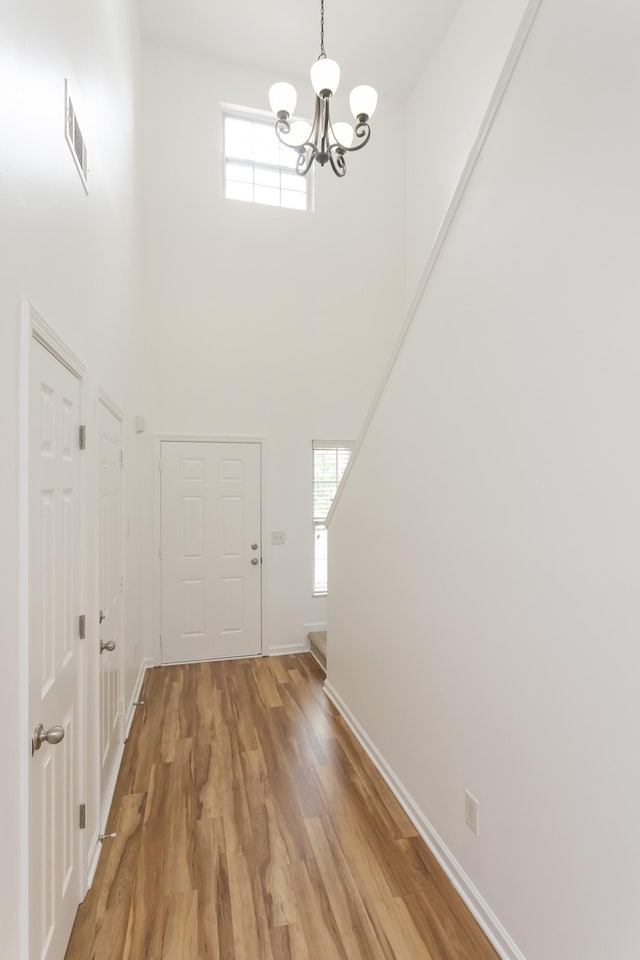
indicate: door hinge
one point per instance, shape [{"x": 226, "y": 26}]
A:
[
  {"x": 121, "y": 583},
  {"x": 122, "y": 458},
  {"x": 82, "y": 626},
  {"x": 82, "y": 437},
  {"x": 83, "y": 816}
]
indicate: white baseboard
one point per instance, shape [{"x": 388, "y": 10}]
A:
[
  {"x": 285, "y": 648},
  {"x": 93, "y": 861},
  {"x": 318, "y": 661},
  {"x": 96, "y": 849},
  {"x": 137, "y": 687},
  {"x": 478, "y": 906},
  {"x": 94, "y": 856}
]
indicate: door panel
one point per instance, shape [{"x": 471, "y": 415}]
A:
[
  {"x": 211, "y": 521},
  {"x": 111, "y": 571},
  {"x": 54, "y": 672}
]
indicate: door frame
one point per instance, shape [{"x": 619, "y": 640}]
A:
[
  {"x": 33, "y": 328},
  {"x": 158, "y": 440}
]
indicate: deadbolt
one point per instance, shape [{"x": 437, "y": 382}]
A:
[
  {"x": 254, "y": 561},
  {"x": 103, "y": 616},
  {"x": 53, "y": 735},
  {"x": 109, "y": 646}
]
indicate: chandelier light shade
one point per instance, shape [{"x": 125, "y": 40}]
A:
[
  {"x": 363, "y": 101},
  {"x": 299, "y": 133},
  {"x": 325, "y": 77},
  {"x": 341, "y": 132},
  {"x": 283, "y": 98},
  {"x": 323, "y": 140}
]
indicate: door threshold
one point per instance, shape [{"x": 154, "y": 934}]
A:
[{"x": 179, "y": 663}]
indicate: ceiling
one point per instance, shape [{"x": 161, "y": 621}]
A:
[{"x": 382, "y": 42}]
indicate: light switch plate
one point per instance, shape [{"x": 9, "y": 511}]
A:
[{"x": 278, "y": 537}]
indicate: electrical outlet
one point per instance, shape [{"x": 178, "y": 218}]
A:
[
  {"x": 278, "y": 537},
  {"x": 472, "y": 812}
]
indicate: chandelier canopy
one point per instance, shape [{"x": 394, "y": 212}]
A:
[{"x": 323, "y": 140}]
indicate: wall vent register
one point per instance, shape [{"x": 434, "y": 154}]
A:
[{"x": 74, "y": 138}]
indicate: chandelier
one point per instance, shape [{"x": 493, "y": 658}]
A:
[{"x": 323, "y": 141}]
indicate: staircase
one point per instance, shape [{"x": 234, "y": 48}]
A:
[{"x": 318, "y": 641}]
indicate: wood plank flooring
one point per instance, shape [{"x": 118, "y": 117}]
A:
[{"x": 252, "y": 826}]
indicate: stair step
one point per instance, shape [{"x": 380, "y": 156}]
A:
[{"x": 318, "y": 641}]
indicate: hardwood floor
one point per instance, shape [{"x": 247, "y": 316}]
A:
[{"x": 252, "y": 826}]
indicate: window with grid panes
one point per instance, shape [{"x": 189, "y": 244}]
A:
[
  {"x": 258, "y": 168},
  {"x": 329, "y": 463}
]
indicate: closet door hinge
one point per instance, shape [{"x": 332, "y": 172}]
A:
[
  {"x": 82, "y": 626},
  {"x": 83, "y": 816},
  {"x": 82, "y": 437}
]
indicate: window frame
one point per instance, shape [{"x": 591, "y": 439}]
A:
[
  {"x": 316, "y": 524},
  {"x": 265, "y": 119}
]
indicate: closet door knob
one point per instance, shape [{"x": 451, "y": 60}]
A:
[{"x": 53, "y": 735}]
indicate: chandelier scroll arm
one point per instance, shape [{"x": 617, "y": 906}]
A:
[
  {"x": 337, "y": 159},
  {"x": 283, "y": 127},
  {"x": 306, "y": 156},
  {"x": 363, "y": 133}
]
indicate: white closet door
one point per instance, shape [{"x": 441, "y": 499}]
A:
[{"x": 54, "y": 578}]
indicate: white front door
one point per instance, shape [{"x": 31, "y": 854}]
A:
[
  {"x": 110, "y": 586},
  {"x": 211, "y": 550},
  {"x": 54, "y": 670}
]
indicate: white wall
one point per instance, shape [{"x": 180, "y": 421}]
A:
[
  {"x": 490, "y": 642},
  {"x": 261, "y": 321},
  {"x": 444, "y": 114},
  {"x": 73, "y": 257}
]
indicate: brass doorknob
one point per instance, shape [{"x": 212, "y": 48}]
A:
[
  {"x": 53, "y": 735},
  {"x": 109, "y": 646}
]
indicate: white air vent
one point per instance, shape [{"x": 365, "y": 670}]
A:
[{"x": 74, "y": 138}]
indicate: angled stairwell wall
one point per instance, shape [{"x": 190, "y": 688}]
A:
[{"x": 484, "y": 607}]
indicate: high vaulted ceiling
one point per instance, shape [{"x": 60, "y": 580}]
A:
[{"x": 386, "y": 43}]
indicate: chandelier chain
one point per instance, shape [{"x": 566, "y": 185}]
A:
[{"x": 323, "y": 55}]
